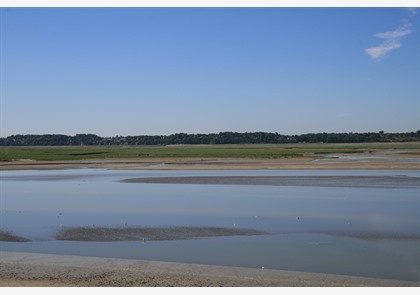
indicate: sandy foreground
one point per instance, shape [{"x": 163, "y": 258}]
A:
[{"x": 35, "y": 270}]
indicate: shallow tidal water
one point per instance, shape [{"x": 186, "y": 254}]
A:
[{"x": 312, "y": 228}]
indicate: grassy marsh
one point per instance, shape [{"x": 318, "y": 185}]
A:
[{"x": 256, "y": 151}]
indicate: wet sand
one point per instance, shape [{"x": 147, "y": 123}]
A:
[
  {"x": 319, "y": 181},
  {"x": 379, "y": 160},
  {"x": 28, "y": 269},
  {"x": 373, "y": 235},
  {"x": 149, "y": 233}
]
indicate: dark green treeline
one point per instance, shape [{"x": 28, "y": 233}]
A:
[{"x": 213, "y": 138}]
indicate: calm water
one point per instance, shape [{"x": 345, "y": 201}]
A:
[{"x": 35, "y": 204}]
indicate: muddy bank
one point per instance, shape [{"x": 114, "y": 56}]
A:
[
  {"x": 149, "y": 233},
  {"x": 319, "y": 181},
  {"x": 28, "y": 269}
]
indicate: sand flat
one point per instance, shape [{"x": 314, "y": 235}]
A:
[
  {"x": 24, "y": 269},
  {"x": 319, "y": 181},
  {"x": 150, "y": 233},
  {"x": 29, "y": 269},
  {"x": 332, "y": 161}
]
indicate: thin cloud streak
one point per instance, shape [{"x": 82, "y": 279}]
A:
[
  {"x": 398, "y": 33},
  {"x": 391, "y": 43},
  {"x": 379, "y": 51},
  {"x": 413, "y": 10}
]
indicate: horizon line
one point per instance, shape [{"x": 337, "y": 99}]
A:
[{"x": 211, "y": 133}]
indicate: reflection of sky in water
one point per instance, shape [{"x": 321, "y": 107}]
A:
[{"x": 35, "y": 205}]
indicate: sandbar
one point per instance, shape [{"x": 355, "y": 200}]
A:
[
  {"x": 379, "y": 161},
  {"x": 149, "y": 233},
  {"x": 319, "y": 181},
  {"x": 10, "y": 237}
]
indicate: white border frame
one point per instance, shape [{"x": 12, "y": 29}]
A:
[{"x": 208, "y": 3}]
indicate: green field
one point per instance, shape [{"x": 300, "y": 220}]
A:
[{"x": 196, "y": 151}]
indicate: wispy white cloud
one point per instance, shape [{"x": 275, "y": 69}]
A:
[
  {"x": 392, "y": 42},
  {"x": 400, "y": 32},
  {"x": 379, "y": 51},
  {"x": 412, "y": 10}
]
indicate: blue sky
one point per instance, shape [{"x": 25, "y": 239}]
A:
[{"x": 144, "y": 71}]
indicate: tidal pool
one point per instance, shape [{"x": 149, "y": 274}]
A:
[{"x": 372, "y": 230}]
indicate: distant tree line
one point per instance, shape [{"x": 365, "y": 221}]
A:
[{"x": 213, "y": 138}]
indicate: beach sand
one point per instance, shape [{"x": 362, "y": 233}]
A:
[{"x": 30, "y": 270}]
